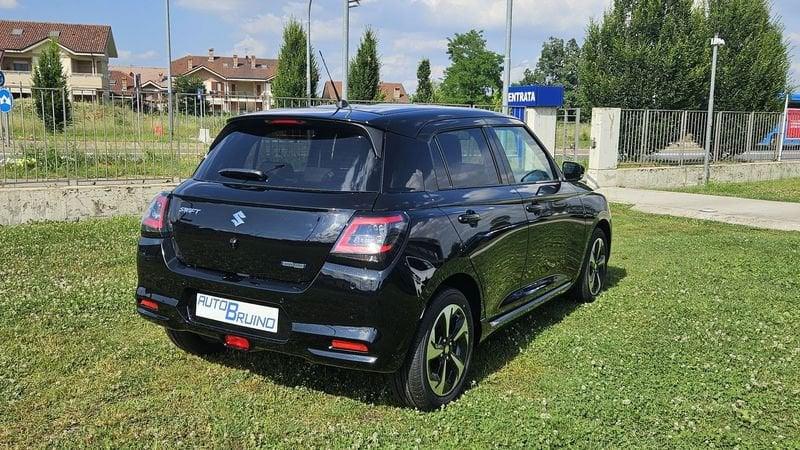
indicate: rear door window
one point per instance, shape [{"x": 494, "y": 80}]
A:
[
  {"x": 408, "y": 166},
  {"x": 468, "y": 158},
  {"x": 303, "y": 155}
]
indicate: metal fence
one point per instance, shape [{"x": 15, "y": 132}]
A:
[
  {"x": 103, "y": 136},
  {"x": 572, "y": 140},
  {"x": 670, "y": 137}
]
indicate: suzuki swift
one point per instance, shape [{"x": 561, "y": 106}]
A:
[{"x": 388, "y": 238}]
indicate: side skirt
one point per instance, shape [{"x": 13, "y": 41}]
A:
[{"x": 493, "y": 324}]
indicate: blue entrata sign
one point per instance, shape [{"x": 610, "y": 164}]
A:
[
  {"x": 6, "y": 100},
  {"x": 535, "y": 96},
  {"x": 2, "y": 79}
]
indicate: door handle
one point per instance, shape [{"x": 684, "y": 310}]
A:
[
  {"x": 534, "y": 208},
  {"x": 469, "y": 217}
]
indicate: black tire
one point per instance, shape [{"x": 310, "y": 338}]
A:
[
  {"x": 594, "y": 272},
  {"x": 415, "y": 384},
  {"x": 193, "y": 343}
]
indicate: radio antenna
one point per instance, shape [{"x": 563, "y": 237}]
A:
[{"x": 339, "y": 102}]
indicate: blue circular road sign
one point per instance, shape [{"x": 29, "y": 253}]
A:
[
  {"x": 2, "y": 79},
  {"x": 6, "y": 100}
]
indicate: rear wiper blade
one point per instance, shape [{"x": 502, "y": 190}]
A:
[{"x": 243, "y": 174}]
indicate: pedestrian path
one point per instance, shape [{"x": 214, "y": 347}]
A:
[{"x": 741, "y": 211}]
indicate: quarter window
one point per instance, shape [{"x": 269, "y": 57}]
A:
[
  {"x": 468, "y": 158},
  {"x": 527, "y": 158}
]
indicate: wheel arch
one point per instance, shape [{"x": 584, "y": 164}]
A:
[
  {"x": 467, "y": 285},
  {"x": 605, "y": 225}
]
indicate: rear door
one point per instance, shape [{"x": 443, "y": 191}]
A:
[
  {"x": 487, "y": 213},
  {"x": 281, "y": 223},
  {"x": 556, "y": 227}
]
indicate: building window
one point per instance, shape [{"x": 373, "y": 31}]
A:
[
  {"x": 21, "y": 65},
  {"x": 258, "y": 89},
  {"x": 233, "y": 88},
  {"x": 79, "y": 66}
]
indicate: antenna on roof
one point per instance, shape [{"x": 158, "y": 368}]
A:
[{"x": 339, "y": 102}]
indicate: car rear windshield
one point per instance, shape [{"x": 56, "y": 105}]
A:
[{"x": 295, "y": 154}]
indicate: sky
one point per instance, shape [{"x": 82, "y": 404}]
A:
[{"x": 407, "y": 30}]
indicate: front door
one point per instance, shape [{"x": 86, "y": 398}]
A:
[
  {"x": 487, "y": 213},
  {"x": 556, "y": 228}
]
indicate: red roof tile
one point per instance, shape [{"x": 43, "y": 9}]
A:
[
  {"x": 388, "y": 89},
  {"x": 223, "y": 65},
  {"x": 75, "y": 37}
]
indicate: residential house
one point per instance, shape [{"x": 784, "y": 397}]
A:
[
  {"x": 234, "y": 83},
  {"x": 391, "y": 92},
  {"x": 153, "y": 80},
  {"x": 85, "y": 52}
]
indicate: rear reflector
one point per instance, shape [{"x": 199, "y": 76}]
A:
[
  {"x": 339, "y": 344},
  {"x": 237, "y": 342},
  {"x": 146, "y": 303}
]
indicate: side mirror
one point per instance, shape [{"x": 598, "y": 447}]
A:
[{"x": 572, "y": 171}]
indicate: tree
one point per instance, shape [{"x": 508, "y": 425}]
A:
[
  {"x": 753, "y": 65},
  {"x": 186, "y": 100},
  {"x": 290, "y": 76},
  {"x": 656, "y": 54},
  {"x": 474, "y": 73},
  {"x": 365, "y": 70},
  {"x": 645, "y": 54},
  {"x": 557, "y": 65},
  {"x": 50, "y": 93},
  {"x": 424, "y": 87}
]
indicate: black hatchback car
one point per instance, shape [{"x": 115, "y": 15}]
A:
[{"x": 384, "y": 238}]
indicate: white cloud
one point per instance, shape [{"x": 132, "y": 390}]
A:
[
  {"x": 250, "y": 46},
  {"x": 129, "y": 57},
  {"x": 212, "y": 5},
  {"x": 263, "y": 23},
  {"x": 418, "y": 43},
  {"x": 554, "y": 14},
  {"x": 8, "y": 4}
]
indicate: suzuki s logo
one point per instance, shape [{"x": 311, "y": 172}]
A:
[{"x": 238, "y": 218}]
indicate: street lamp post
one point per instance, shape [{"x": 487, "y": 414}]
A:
[
  {"x": 345, "y": 51},
  {"x": 784, "y": 123},
  {"x": 169, "y": 74},
  {"x": 507, "y": 71},
  {"x": 716, "y": 42},
  {"x": 308, "y": 55}
]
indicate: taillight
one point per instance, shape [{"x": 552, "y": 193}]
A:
[
  {"x": 371, "y": 239},
  {"x": 154, "y": 220}
]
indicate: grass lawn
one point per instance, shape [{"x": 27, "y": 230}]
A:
[
  {"x": 696, "y": 343},
  {"x": 785, "y": 190}
]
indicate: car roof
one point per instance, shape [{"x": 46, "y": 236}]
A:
[{"x": 406, "y": 119}]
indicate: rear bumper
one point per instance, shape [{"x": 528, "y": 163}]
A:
[{"x": 378, "y": 308}]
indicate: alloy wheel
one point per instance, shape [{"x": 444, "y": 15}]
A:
[
  {"x": 447, "y": 350},
  {"x": 597, "y": 266}
]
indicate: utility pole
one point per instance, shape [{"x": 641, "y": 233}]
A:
[
  {"x": 308, "y": 55},
  {"x": 169, "y": 75},
  {"x": 507, "y": 70},
  {"x": 716, "y": 42},
  {"x": 345, "y": 51}
]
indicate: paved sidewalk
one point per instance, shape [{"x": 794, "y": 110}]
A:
[{"x": 741, "y": 211}]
